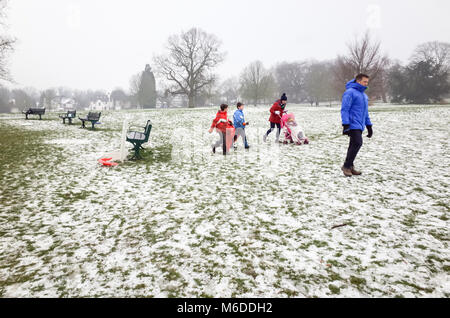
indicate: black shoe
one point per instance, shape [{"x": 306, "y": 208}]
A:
[
  {"x": 214, "y": 149},
  {"x": 248, "y": 147}
]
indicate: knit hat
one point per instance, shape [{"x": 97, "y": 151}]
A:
[{"x": 284, "y": 97}]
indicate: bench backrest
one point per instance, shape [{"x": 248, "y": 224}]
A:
[
  {"x": 36, "y": 111},
  {"x": 148, "y": 129},
  {"x": 94, "y": 116},
  {"x": 71, "y": 114}
]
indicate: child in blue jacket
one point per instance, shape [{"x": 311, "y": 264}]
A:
[{"x": 240, "y": 124}]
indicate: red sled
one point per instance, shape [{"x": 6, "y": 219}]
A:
[
  {"x": 230, "y": 137},
  {"x": 107, "y": 163}
]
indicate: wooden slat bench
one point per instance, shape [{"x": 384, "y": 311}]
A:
[
  {"x": 71, "y": 114},
  {"x": 34, "y": 111},
  {"x": 92, "y": 117}
]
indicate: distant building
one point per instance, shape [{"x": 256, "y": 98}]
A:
[
  {"x": 61, "y": 103},
  {"x": 100, "y": 105}
]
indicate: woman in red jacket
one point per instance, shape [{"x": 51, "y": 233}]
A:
[
  {"x": 276, "y": 112},
  {"x": 221, "y": 123}
]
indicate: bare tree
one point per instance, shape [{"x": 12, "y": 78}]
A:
[
  {"x": 436, "y": 52},
  {"x": 257, "y": 83},
  {"x": 319, "y": 83},
  {"x": 6, "y": 46},
  {"x": 118, "y": 96},
  {"x": 291, "y": 79},
  {"x": 47, "y": 97},
  {"x": 33, "y": 93},
  {"x": 82, "y": 99},
  {"x": 229, "y": 90},
  {"x": 5, "y": 100},
  {"x": 64, "y": 92},
  {"x": 189, "y": 62},
  {"x": 208, "y": 96},
  {"x": 22, "y": 100},
  {"x": 165, "y": 98},
  {"x": 364, "y": 56},
  {"x": 270, "y": 88},
  {"x": 135, "y": 85}
]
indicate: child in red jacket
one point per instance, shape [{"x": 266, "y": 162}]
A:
[
  {"x": 222, "y": 124},
  {"x": 276, "y": 113}
]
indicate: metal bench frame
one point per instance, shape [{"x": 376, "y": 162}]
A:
[
  {"x": 71, "y": 114},
  {"x": 92, "y": 117},
  {"x": 34, "y": 111},
  {"x": 137, "y": 143}
]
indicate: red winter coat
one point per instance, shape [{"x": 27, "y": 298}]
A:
[
  {"x": 274, "y": 118},
  {"x": 221, "y": 121}
]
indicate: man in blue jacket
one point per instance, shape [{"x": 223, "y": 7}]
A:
[
  {"x": 355, "y": 118},
  {"x": 240, "y": 124}
]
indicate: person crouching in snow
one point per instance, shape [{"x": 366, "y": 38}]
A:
[
  {"x": 276, "y": 112},
  {"x": 240, "y": 124},
  {"x": 221, "y": 124}
]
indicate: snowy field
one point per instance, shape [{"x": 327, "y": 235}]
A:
[{"x": 186, "y": 223}]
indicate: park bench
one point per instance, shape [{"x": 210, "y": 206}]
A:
[
  {"x": 138, "y": 138},
  {"x": 92, "y": 117},
  {"x": 34, "y": 111},
  {"x": 71, "y": 114}
]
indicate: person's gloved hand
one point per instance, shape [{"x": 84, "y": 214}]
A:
[
  {"x": 346, "y": 130},
  {"x": 370, "y": 130}
]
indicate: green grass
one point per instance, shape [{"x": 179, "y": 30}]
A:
[
  {"x": 416, "y": 287},
  {"x": 357, "y": 281},
  {"x": 334, "y": 290}
]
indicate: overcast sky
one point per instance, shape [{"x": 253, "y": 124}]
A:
[{"x": 99, "y": 44}]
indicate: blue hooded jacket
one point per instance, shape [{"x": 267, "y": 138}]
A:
[
  {"x": 238, "y": 118},
  {"x": 355, "y": 107}
]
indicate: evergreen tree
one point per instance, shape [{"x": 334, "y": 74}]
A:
[
  {"x": 147, "y": 89},
  {"x": 427, "y": 82}
]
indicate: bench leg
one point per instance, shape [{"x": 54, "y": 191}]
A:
[
  {"x": 82, "y": 124},
  {"x": 26, "y": 116},
  {"x": 93, "y": 125},
  {"x": 64, "y": 121},
  {"x": 70, "y": 121},
  {"x": 137, "y": 155},
  {"x": 40, "y": 117}
]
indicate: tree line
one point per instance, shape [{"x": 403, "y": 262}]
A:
[
  {"x": 186, "y": 72},
  {"x": 187, "y": 69}
]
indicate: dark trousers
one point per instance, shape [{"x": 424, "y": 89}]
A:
[
  {"x": 222, "y": 142},
  {"x": 356, "y": 143},
  {"x": 272, "y": 127}
]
